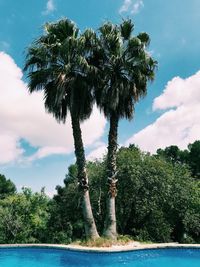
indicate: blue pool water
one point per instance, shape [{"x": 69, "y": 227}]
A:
[{"x": 40, "y": 257}]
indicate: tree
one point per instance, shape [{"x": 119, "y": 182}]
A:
[
  {"x": 66, "y": 222},
  {"x": 194, "y": 158},
  {"x": 6, "y": 187},
  {"x": 59, "y": 64},
  {"x": 125, "y": 68},
  {"x": 157, "y": 200},
  {"x": 24, "y": 217},
  {"x": 173, "y": 154},
  {"x": 190, "y": 156}
]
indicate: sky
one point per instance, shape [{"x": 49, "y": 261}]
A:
[{"x": 35, "y": 150}]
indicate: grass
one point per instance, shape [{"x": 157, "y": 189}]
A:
[{"x": 105, "y": 242}]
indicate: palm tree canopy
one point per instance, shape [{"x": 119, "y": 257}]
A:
[
  {"x": 125, "y": 68},
  {"x": 59, "y": 63}
]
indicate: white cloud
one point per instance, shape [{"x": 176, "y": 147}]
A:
[
  {"x": 180, "y": 123},
  {"x": 9, "y": 147},
  {"x": 50, "y": 7},
  {"x": 179, "y": 92},
  {"x": 126, "y": 5},
  {"x": 131, "y": 6},
  {"x": 98, "y": 152},
  {"x": 47, "y": 151},
  {"x": 22, "y": 116}
]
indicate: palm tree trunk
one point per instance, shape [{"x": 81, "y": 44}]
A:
[
  {"x": 110, "y": 229},
  {"x": 89, "y": 223}
]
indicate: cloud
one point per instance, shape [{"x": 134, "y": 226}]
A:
[
  {"x": 50, "y": 7},
  {"x": 9, "y": 147},
  {"x": 131, "y": 6},
  {"x": 98, "y": 152},
  {"x": 47, "y": 151},
  {"x": 179, "y": 124},
  {"x": 22, "y": 116}
]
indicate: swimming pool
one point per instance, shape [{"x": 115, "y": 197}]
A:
[{"x": 50, "y": 257}]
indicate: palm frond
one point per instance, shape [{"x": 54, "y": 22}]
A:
[
  {"x": 126, "y": 28},
  {"x": 60, "y": 63},
  {"x": 124, "y": 69},
  {"x": 144, "y": 38}
]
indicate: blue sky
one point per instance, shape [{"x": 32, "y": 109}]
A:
[{"x": 34, "y": 150}]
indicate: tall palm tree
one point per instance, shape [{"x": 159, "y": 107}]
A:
[
  {"x": 59, "y": 64},
  {"x": 125, "y": 68}
]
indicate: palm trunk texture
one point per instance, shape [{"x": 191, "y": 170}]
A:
[
  {"x": 110, "y": 229},
  {"x": 89, "y": 223}
]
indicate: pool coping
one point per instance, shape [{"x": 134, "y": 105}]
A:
[{"x": 125, "y": 248}]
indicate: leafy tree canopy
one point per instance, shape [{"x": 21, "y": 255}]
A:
[
  {"x": 23, "y": 217},
  {"x": 157, "y": 200},
  {"x": 6, "y": 187},
  {"x": 190, "y": 156}
]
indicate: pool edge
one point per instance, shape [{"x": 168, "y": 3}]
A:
[{"x": 125, "y": 248}]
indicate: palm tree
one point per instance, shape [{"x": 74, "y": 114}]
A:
[
  {"x": 58, "y": 63},
  {"x": 125, "y": 68}
]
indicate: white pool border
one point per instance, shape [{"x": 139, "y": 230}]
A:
[{"x": 129, "y": 247}]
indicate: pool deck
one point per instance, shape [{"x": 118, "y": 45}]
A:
[{"x": 115, "y": 248}]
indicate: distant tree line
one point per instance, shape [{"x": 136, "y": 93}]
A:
[{"x": 158, "y": 200}]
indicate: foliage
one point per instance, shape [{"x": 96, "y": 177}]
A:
[
  {"x": 58, "y": 63},
  {"x": 105, "y": 242},
  {"x": 194, "y": 158},
  {"x": 66, "y": 216},
  {"x": 23, "y": 217},
  {"x": 6, "y": 187},
  {"x": 125, "y": 68},
  {"x": 190, "y": 156},
  {"x": 157, "y": 201}
]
